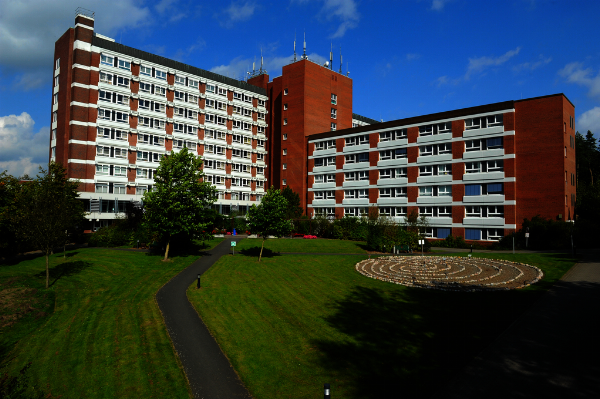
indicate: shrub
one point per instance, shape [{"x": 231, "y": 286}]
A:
[
  {"x": 383, "y": 235},
  {"x": 114, "y": 235}
]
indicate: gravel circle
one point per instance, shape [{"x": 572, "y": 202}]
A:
[{"x": 451, "y": 273}]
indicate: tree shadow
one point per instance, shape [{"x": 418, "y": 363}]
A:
[
  {"x": 255, "y": 252},
  {"x": 364, "y": 247},
  {"x": 65, "y": 269},
  {"x": 71, "y": 254},
  {"x": 407, "y": 343}
]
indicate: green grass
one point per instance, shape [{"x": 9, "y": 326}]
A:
[
  {"x": 293, "y": 322},
  {"x": 97, "y": 331},
  {"x": 321, "y": 245}
]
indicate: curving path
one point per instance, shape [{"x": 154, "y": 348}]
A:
[{"x": 208, "y": 371}]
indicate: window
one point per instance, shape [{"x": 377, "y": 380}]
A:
[
  {"x": 102, "y": 114},
  {"x": 444, "y": 169},
  {"x": 284, "y": 182},
  {"x": 158, "y": 74},
  {"x": 285, "y": 92},
  {"x": 122, "y": 117},
  {"x": 55, "y": 99},
  {"x": 472, "y": 234},
  {"x": 142, "y": 156},
  {"x": 56, "y": 81},
  {"x": 119, "y": 189},
  {"x": 101, "y": 187},
  {"x": 140, "y": 190},
  {"x": 125, "y": 65},
  {"x": 57, "y": 63},
  {"x": 425, "y": 130},
  {"x": 496, "y": 211},
  {"x": 495, "y": 234},
  {"x": 285, "y": 121},
  {"x": 473, "y": 211},
  {"x": 123, "y": 82},
  {"x": 146, "y": 71},
  {"x": 261, "y": 103},
  {"x": 285, "y": 107},
  {"x": 473, "y": 123},
  {"x": 495, "y": 120},
  {"x": 357, "y": 140},
  {"x": 102, "y": 169},
  {"x": 106, "y": 78},
  {"x": 142, "y": 173},
  {"x": 180, "y": 80},
  {"x": 284, "y": 151},
  {"x": 333, "y": 126},
  {"x": 445, "y": 148},
  {"x": 494, "y": 143},
  {"x": 107, "y": 60},
  {"x": 400, "y": 192},
  {"x": 495, "y": 166},
  {"x": 362, "y": 193},
  {"x": 349, "y": 194},
  {"x": 284, "y": 166},
  {"x": 145, "y": 87},
  {"x": 443, "y": 232},
  {"x": 324, "y": 161},
  {"x": 385, "y": 173},
  {"x": 426, "y": 211},
  {"x": 160, "y": 91},
  {"x": 425, "y": 150},
  {"x": 425, "y": 171},
  {"x": 472, "y": 145},
  {"x": 120, "y": 152},
  {"x": 120, "y": 171},
  {"x": 210, "y": 88},
  {"x": 324, "y": 145},
  {"x": 53, "y": 134},
  {"x": 392, "y": 135},
  {"x": 445, "y": 127},
  {"x": 179, "y": 95},
  {"x": 472, "y": 167},
  {"x": 472, "y": 189},
  {"x": 495, "y": 188},
  {"x": 221, "y": 91},
  {"x": 333, "y": 113},
  {"x": 444, "y": 211},
  {"x": 355, "y": 158},
  {"x": 444, "y": 191},
  {"x": 192, "y": 98},
  {"x": 426, "y": 191},
  {"x": 333, "y": 98}
]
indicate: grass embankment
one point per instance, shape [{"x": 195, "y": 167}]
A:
[
  {"x": 283, "y": 245},
  {"x": 97, "y": 331},
  {"x": 293, "y": 322}
]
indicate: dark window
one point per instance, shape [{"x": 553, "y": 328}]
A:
[
  {"x": 443, "y": 233},
  {"x": 472, "y": 234},
  {"x": 495, "y": 188},
  {"x": 472, "y": 189}
]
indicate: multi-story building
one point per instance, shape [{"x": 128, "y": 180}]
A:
[
  {"x": 474, "y": 172},
  {"x": 117, "y": 111}
]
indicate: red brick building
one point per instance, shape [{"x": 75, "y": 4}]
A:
[{"x": 475, "y": 172}]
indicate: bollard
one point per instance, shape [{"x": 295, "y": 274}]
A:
[
  {"x": 138, "y": 244},
  {"x": 198, "y": 286},
  {"x": 326, "y": 393}
]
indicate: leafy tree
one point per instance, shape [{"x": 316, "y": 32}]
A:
[
  {"x": 294, "y": 211},
  {"x": 588, "y": 189},
  {"x": 416, "y": 223},
  {"x": 269, "y": 217},
  {"x": 8, "y": 189},
  {"x": 179, "y": 203},
  {"x": 44, "y": 210}
]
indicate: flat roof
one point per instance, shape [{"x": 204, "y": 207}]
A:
[{"x": 169, "y": 63}]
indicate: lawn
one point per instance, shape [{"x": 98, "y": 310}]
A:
[
  {"x": 320, "y": 245},
  {"x": 293, "y": 322},
  {"x": 97, "y": 331}
]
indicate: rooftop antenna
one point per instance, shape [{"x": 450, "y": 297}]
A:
[
  {"x": 331, "y": 57},
  {"x": 347, "y": 69},
  {"x": 261, "y": 61},
  {"x": 304, "y": 55},
  {"x": 294, "y": 46},
  {"x": 341, "y": 59}
]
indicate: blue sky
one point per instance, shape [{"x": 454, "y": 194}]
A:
[{"x": 406, "y": 58}]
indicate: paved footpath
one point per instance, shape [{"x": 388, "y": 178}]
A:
[
  {"x": 552, "y": 351},
  {"x": 208, "y": 370}
]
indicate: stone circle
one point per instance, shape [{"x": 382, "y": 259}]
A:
[{"x": 451, "y": 273}]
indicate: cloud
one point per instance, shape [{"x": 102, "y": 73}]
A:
[
  {"x": 478, "y": 65},
  {"x": 343, "y": 10},
  {"x": 412, "y": 57},
  {"x": 438, "y": 5},
  {"x": 589, "y": 120},
  {"x": 30, "y": 28},
  {"x": 575, "y": 73},
  {"x": 532, "y": 65},
  {"x": 237, "y": 12},
  {"x": 238, "y": 66},
  {"x": 164, "y": 5},
  {"x": 181, "y": 54},
  {"x": 23, "y": 150}
]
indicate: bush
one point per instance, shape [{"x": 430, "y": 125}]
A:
[
  {"x": 543, "y": 234},
  {"x": 383, "y": 235},
  {"x": 114, "y": 235}
]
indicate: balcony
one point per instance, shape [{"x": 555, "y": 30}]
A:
[
  {"x": 435, "y": 200},
  {"x": 483, "y": 222},
  {"x": 488, "y": 131},
  {"x": 434, "y": 179},
  {"x": 483, "y": 176},
  {"x": 435, "y": 138},
  {"x": 402, "y": 181},
  {"x": 392, "y": 201},
  {"x": 483, "y": 199}
]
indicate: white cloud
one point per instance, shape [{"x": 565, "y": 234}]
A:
[
  {"x": 533, "y": 65},
  {"x": 181, "y": 54},
  {"x": 23, "y": 150},
  {"x": 237, "y": 12},
  {"x": 29, "y": 29},
  {"x": 345, "y": 11},
  {"x": 438, "y": 5},
  {"x": 478, "y": 65},
  {"x": 589, "y": 120},
  {"x": 575, "y": 73}
]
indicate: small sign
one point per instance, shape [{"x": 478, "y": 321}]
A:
[
  {"x": 526, "y": 235},
  {"x": 421, "y": 242},
  {"x": 233, "y": 243}
]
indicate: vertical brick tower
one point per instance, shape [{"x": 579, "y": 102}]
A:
[{"x": 307, "y": 98}]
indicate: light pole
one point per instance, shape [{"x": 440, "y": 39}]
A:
[{"x": 198, "y": 286}]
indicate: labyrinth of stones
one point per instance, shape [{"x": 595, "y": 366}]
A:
[{"x": 451, "y": 273}]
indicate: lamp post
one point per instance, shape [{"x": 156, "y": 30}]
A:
[
  {"x": 198, "y": 286},
  {"x": 326, "y": 394}
]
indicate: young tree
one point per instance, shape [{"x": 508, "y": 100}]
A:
[
  {"x": 45, "y": 208},
  {"x": 294, "y": 211},
  {"x": 269, "y": 217},
  {"x": 179, "y": 202},
  {"x": 416, "y": 223}
]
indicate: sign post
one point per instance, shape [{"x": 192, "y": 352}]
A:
[
  {"x": 421, "y": 243},
  {"x": 233, "y": 244}
]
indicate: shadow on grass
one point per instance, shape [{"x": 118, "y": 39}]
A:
[
  {"x": 64, "y": 270},
  {"x": 364, "y": 247},
  {"x": 408, "y": 343},
  {"x": 71, "y": 254},
  {"x": 255, "y": 252}
]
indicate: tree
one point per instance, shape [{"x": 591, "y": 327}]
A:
[
  {"x": 45, "y": 208},
  {"x": 8, "y": 189},
  {"x": 269, "y": 217},
  {"x": 179, "y": 202},
  {"x": 294, "y": 211},
  {"x": 416, "y": 223}
]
